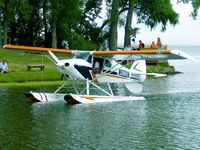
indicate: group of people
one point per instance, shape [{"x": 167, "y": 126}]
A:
[
  {"x": 156, "y": 45},
  {"x": 3, "y": 67}
]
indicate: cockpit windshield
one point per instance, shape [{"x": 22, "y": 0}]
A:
[{"x": 84, "y": 55}]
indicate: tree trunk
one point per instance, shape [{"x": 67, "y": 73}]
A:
[
  {"x": 54, "y": 36},
  {"x": 54, "y": 12},
  {"x": 128, "y": 28},
  {"x": 0, "y": 34},
  {"x": 113, "y": 25},
  {"x": 5, "y": 32},
  {"x": 45, "y": 23},
  {"x": 5, "y": 24}
]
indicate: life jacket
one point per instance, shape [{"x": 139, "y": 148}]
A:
[{"x": 153, "y": 45}]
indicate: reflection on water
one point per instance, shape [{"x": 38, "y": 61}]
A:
[
  {"x": 169, "y": 118},
  {"x": 161, "y": 121}
]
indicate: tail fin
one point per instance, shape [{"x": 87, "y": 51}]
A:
[{"x": 138, "y": 70}]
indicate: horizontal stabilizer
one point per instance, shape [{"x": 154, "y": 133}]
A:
[
  {"x": 156, "y": 75},
  {"x": 152, "y": 74}
]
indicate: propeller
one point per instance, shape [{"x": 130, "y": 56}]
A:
[
  {"x": 54, "y": 57},
  {"x": 59, "y": 64}
]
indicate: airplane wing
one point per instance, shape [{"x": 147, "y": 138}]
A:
[
  {"x": 144, "y": 54},
  {"x": 38, "y": 49}
]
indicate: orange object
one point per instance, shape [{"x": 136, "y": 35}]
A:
[
  {"x": 153, "y": 45},
  {"x": 37, "y": 49}
]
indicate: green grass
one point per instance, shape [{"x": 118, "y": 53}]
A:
[
  {"x": 46, "y": 83},
  {"x": 18, "y": 73},
  {"x": 163, "y": 67}
]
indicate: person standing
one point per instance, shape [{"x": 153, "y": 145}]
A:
[
  {"x": 153, "y": 45},
  {"x": 105, "y": 45},
  {"x": 141, "y": 45},
  {"x": 65, "y": 44},
  {"x": 159, "y": 44}
]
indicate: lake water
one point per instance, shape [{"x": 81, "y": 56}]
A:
[{"x": 169, "y": 118}]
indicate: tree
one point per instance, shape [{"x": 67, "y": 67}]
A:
[
  {"x": 64, "y": 15},
  {"x": 196, "y": 6},
  {"x": 1, "y": 6},
  {"x": 12, "y": 13},
  {"x": 87, "y": 26},
  {"x": 151, "y": 15},
  {"x": 114, "y": 25},
  {"x": 128, "y": 28},
  {"x": 6, "y": 15},
  {"x": 54, "y": 18},
  {"x": 161, "y": 12},
  {"x": 45, "y": 20},
  {"x": 0, "y": 30}
]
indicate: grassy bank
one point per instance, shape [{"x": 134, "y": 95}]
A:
[
  {"x": 24, "y": 84},
  {"x": 18, "y": 73},
  {"x": 162, "y": 67}
]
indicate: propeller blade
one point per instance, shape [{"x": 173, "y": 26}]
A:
[{"x": 54, "y": 57}]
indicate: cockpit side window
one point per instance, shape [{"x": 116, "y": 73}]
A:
[
  {"x": 97, "y": 64},
  {"x": 107, "y": 63},
  {"x": 84, "y": 55},
  {"x": 89, "y": 59}
]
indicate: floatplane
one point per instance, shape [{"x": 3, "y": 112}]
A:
[{"x": 100, "y": 67}]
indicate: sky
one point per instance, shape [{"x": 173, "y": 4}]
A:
[{"x": 187, "y": 32}]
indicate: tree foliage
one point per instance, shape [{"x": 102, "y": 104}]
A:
[
  {"x": 195, "y": 5},
  {"x": 154, "y": 12},
  {"x": 40, "y": 22},
  {"x": 49, "y": 22},
  {"x": 150, "y": 13}
]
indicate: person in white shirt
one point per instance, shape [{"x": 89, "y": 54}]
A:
[
  {"x": 96, "y": 68},
  {"x": 65, "y": 44},
  {"x": 3, "y": 67}
]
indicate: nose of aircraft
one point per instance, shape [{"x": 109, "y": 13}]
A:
[{"x": 60, "y": 65}]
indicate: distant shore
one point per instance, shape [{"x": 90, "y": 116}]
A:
[{"x": 163, "y": 68}]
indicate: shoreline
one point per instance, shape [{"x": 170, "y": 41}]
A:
[
  {"x": 160, "y": 68},
  {"x": 32, "y": 83}
]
